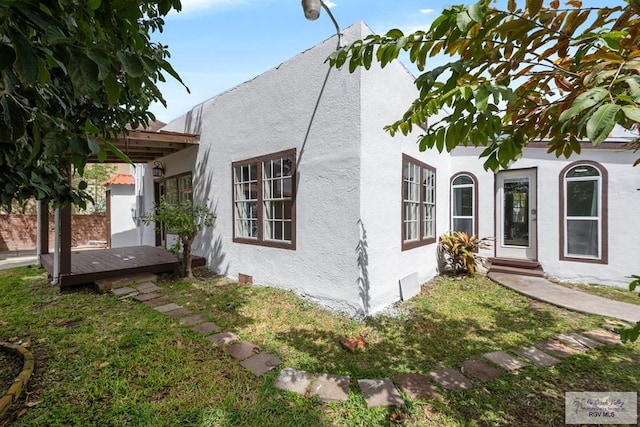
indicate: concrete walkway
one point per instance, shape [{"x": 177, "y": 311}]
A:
[
  {"x": 571, "y": 299},
  {"x": 17, "y": 259}
]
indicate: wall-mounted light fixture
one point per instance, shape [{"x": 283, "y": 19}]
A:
[
  {"x": 158, "y": 170},
  {"x": 312, "y": 12}
]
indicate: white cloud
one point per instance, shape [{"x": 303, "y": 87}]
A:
[
  {"x": 330, "y": 4},
  {"x": 426, "y": 11}
]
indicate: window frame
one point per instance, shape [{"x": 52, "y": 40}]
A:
[
  {"x": 602, "y": 217},
  {"x": 258, "y": 162},
  {"x": 179, "y": 194},
  {"x": 422, "y": 240},
  {"x": 474, "y": 194}
]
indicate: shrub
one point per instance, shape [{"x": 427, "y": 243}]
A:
[{"x": 458, "y": 251}]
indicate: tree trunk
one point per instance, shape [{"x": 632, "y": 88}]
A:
[{"x": 186, "y": 259}]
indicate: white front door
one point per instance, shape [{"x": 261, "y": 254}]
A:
[{"x": 516, "y": 209}]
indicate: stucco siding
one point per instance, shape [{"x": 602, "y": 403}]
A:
[
  {"x": 386, "y": 94},
  {"x": 301, "y": 105}
]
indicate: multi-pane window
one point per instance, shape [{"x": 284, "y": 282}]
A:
[
  {"x": 178, "y": 189},
  {"x": 463, "y": 204},
  {"x": 418, "y": 203},
  {"x": 264, "y": 200},
  {"x": 584, "y": 204}
]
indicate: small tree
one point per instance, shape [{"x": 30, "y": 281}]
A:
[
  {"x": 631, "y": 334},
  {"x": 185, "y": 220}
]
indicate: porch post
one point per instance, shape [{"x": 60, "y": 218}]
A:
[
  {"x": 65, "y": 240},
  {"x": 42, "y": 238}
]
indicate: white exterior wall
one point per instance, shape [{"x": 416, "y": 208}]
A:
[
  {"x": 623, "y": 204},
  {"x": 271, "y": 113},
  {"x": 124, "y": 231},
  {"x": 386, "y": 94}
]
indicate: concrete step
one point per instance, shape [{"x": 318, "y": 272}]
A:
[
  {"x": 106, "y": 285},
  {"x": 516, "y": 270},
  {"x": 516, "y": 262}
]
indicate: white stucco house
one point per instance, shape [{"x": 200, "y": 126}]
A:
[{"x": 312, "y": 195}]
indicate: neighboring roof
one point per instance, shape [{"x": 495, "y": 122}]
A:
[
  {"x": 142, "y": 146},
  {"x": 119, "y": 179}
]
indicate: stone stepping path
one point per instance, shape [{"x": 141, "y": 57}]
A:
[
  {"x": 250, "y": 356},
  {"x": 380, "y": 392},
  {"x": 377, "y": 392},
  {"x": 480, "y": 370}
]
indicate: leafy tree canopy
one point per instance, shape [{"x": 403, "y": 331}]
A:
[
  {"x": 562, "y": 74},
  {"x": 72, "y": 72}
]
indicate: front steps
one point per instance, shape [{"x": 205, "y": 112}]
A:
[{"x": 523, "y": 267}]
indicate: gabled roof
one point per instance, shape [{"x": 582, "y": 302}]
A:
[{"x": 119, "y": 179}]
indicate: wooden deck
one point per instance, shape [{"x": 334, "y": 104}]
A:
[{"x": 90, "y": 265}]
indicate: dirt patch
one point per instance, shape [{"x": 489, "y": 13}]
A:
[{"x": 11, "y": 367}]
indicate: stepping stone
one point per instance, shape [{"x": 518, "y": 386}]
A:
[
  {"x": 603, "y": 336},
  {"x": 294, "y": 381},
  {"x": 179, "y": 312},
  {"x": 147, "y": 297},
  {"x": 205, "y": 328},
  {"x": 537, "y": 357},
  {"x": 482, "y": 371},
  {"x": 330, "y": 388},
  {"x": 192, "y": 320},
  {"x": 557, "y": 349},
  {"x": 156, "y": 302},
  {"x": 450, "y": 379},
  {"x": 380, "y": 392},
  {"x": 147, "y": 287},
  {"x": 505, "y": 360},
  {"x": 223, "y": 338},
  {"x": 105, "y": 285},
  {"x": 127, "y": 296},
  {"x": 167, "y": 307},
  {"x": 123, "y": 291},
  {"x": 577, "y": 341},
  {"x": 261, "y": 363},
  {"x": 243, "y": 350},
  {"x": 416, "y": 386}
]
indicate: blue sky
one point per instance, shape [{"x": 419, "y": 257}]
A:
[{"x": 218, "y": 44}]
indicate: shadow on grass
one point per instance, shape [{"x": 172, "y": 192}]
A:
[{"x": 425, "y": 341}]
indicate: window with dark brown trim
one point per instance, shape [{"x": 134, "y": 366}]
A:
[
  {"x": 418, "y": 203},
  {"x": 264, "y": 200},
  {"x": 178, "y": 189},
  {"x": 583, "y": 217}
]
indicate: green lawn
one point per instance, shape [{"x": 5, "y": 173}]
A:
[{"x": 104, "y": 362}]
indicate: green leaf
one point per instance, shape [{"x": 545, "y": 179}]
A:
[
  {"x": 634, "y": 87},
  {"x": 632, "y": 113},
  {"x": 27, "y": 61},
  {"x": 602, "y": 122},
  {"x": 477, "y": 12},
  {"x": 94, "y": 4},
  {"x": 132, "y": 65},
  {"x": 102, "y": 61},
  {"x": 463, "y": 21},
  {"x": 113, "y": 89},
  {"x": 586, "y": 100},
  {"x": 84, "y": 75}
]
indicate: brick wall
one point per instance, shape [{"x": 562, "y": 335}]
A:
[{"x": 18, "y": 232}]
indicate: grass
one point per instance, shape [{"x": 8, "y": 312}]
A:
[
  {"x": 106, "y": 362},
  {"x": 611, "y": 292}
]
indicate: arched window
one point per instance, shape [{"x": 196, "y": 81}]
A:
[
  {"x": 583, "y": 193},
  {"x": 463, "y": 203}
]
